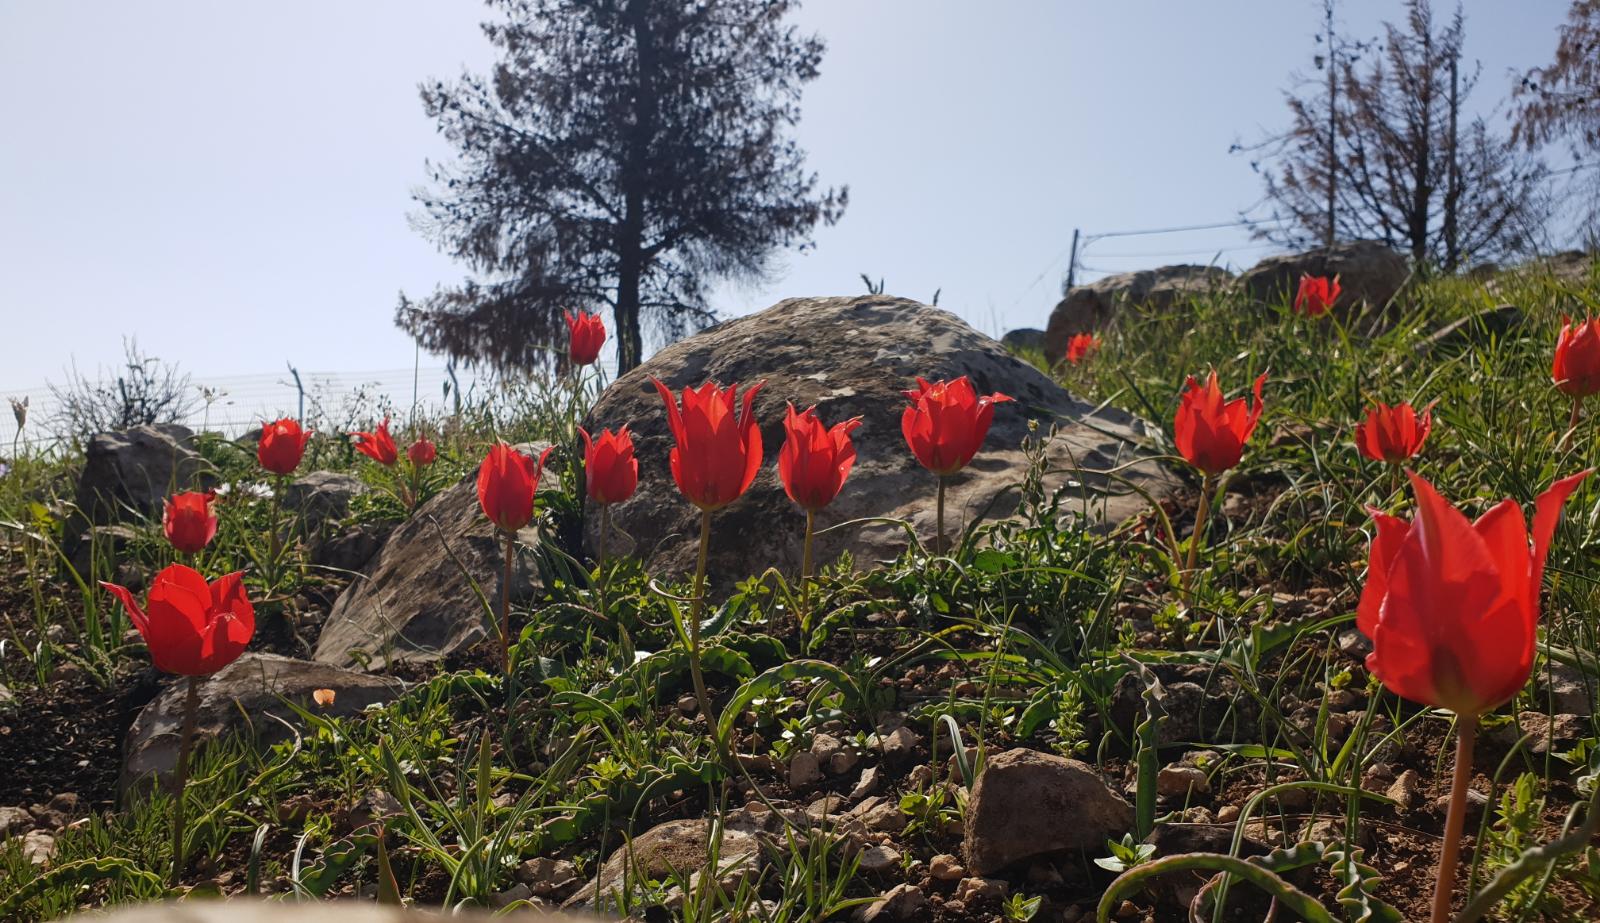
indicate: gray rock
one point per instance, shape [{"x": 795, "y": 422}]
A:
[
  {"x": 902, "y": 902},
  {"x": 547, "y": 877},
  {"x": 1086, "y": 308},
  {"x": 38, "y": 846},
  {"x": 1024, "y": 339},
  {"x": 322, "y": 497},
  {"x": 413, "y": 602},
  {"x": 14, "y": 819},
  {"x": 804, "y": 770},
  {"x": 876, "y": 860},
  {"x": 351, "y": 549},
  {"x": 128, "y": 475},
  {"x": 1027, "y": 803},
  {"x": 243, "y": 695},
  {"x": 678, "y": 846},
  {"x": 853, "y": 356},
  {"x": 1368, "y": 272},
  {"x": 1570, "y": 690}
]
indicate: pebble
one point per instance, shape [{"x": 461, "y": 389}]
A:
[
  {"x": 945, "y": 867},
  {"x": 878, "y": 859},
  {"x": 804, "y": 770}
]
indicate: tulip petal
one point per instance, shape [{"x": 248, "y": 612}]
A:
[
  {"x": 136, "y": 615},
  {"x": 1391, "y": 534},
  {"x": 1546, "y": 513}
]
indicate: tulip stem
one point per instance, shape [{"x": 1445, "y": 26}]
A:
[
  {"x": 1455, "y": 821},
  {"x": 275, "y": 542},
  {"x": 1572, "y": 423},
  {"x": 696, "y": 615},
  {"x": 805, "y": 575},
  {"x": 938, "y": 537},
  {"x": 600, "y": 587},
  {"x": 1202, "y": 513},
  {"x": 191, "y": 703},
  {"x": 505, "y": 604}
]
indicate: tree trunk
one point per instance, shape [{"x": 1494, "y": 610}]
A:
[
  {"x": 630, "y": 234},
  {"x": 1333, "y": 134},
  {"x": 630, "y": 341},
  {"x": 1452, "y": 185}
]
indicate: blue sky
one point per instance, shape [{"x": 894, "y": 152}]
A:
[{"x": 230, "y": 182}]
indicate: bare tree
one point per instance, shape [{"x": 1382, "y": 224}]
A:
[
  {"x": 1561, "y": 102},
  {"x": 144, "y": 390},
  {"x": 1389, "y": 154}
]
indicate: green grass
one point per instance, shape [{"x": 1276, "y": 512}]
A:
[{"x": 1020, "y": 636}]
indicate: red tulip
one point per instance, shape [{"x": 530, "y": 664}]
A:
[
  {"x": 1452, "y": 606},
  {"x": 1080, "y": 346},
  {"x": 189, "y": 523},
  {"x": 718, "y": 451},
  {"x": 507, "y": 483},
  {"x": 1576, "y": 367},
  {"x": 1316, "y": 294},
  {"x": 1393, "y": 434},
  {"x": 586, "y": 334},
  {"x": 815, "y": 460},
  {"x": 421, "y": 453},
  {"x": 192, "y": 629},
  {"x": 1211, "y": 432},
  {"x": 378, "y": 445},
  {"x": 282, "y": 443},
  {"x": 609, "y": 466},
  {"x": 947, "y": 422}
]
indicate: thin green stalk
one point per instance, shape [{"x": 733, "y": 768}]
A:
[
  {"x": 805, "y": 574},
  {"x": 191, "y": 702},
  {"x": 938, "y": 538},
  {"x": 505, "y": 605},
  {"x": 1202, "y": 514},
  {"x": 1572, "y": 424},
  {"x": 697, "y": 615},
  {"x": 1455, "y": 821},
  {"x": 605, "y": 531}
]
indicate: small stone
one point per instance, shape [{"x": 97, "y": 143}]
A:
[
  {"x": 842, "y": 761},
  {"x": 1177, "y": 781},
  {"x": 804, "y": 770},
  {"x": 14, "y": 819},
  {"x": 945, "y": 867},
  {"x": 546, "y": 877},
  {"x": 819, "y": 810},
  {"x": 824, "y": 746},
  {"x": 867, "y": 784},
  {"x": 879, "y": 815},
  {"x": 1406, "y": 789},
  {"x": 879, "y": 859},
  {"x": 1227, "y": 814},
  {"x": 902, "y": 902},
  {"x": 1352, "y": 643},
  {"x": 978, "y": 889},
  {"x": 920, "y": 776},
  {"x": 688, "y": 704},
  {"x": 900, "y": 744},
  {"x": 1127, "y": 910},
  {"x": 38, "y": 846},
  {"x": 517, "y": 892},
  {"x": 1476, "y": 802}
]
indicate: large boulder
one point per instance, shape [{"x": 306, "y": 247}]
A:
[
  {"x": 1087, "y": 308},
  {"x": 1368, "y": 272},
  {"x": 128, "y": 474},
  {"x": 853, "y": 357},
  {"x": 248, "y": 692},
  {"x": 414, "y": 601},
  {"x": 1027, "y": 803}
]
